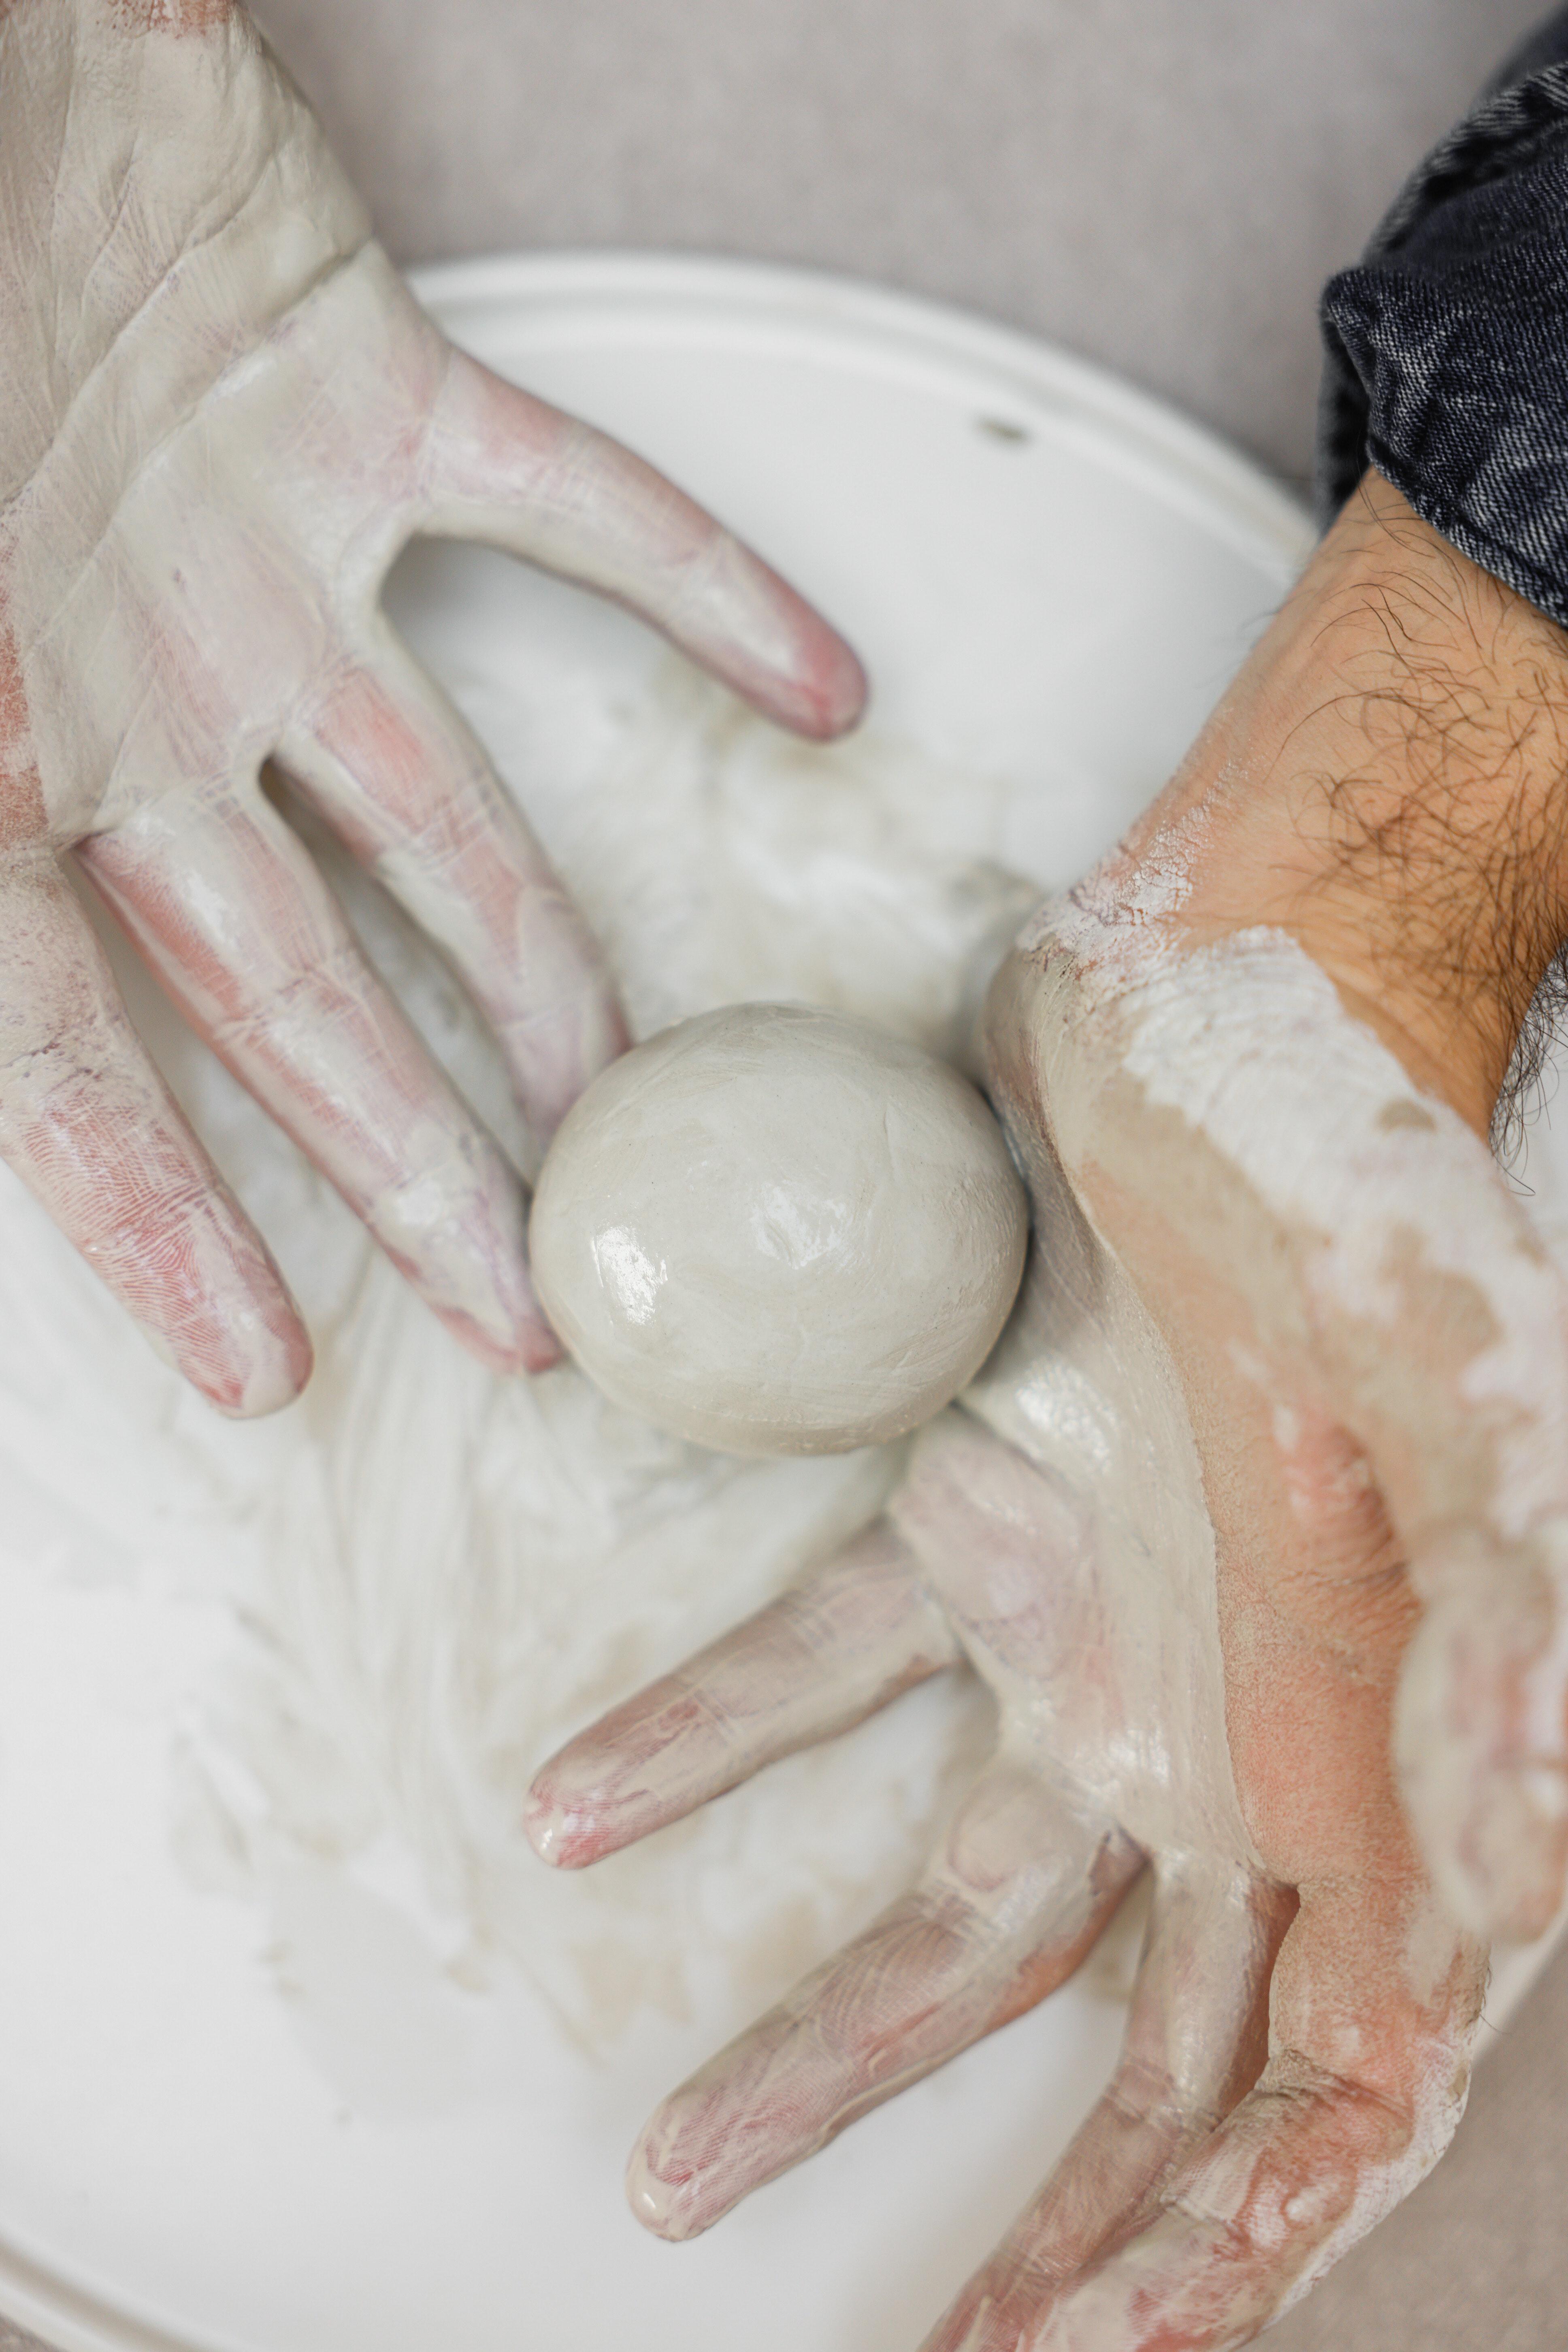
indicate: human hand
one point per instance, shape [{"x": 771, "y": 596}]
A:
[
  {"x": 221, "y": 417},
  {"x": 1271, "y": 1455}
]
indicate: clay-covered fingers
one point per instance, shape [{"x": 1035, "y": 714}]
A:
[
  {"x": 507, "y": 468},
  {"x": 229, "y": 910},
  {"x": 1025, "y": 1881},
  {"x": 1196, "y": 2042},
  {"x": 90, "y": 1127},
  {"x": 843, "y": 1642},
  {"x": 1374, "y": 2004},
  {"x": 406, "y": 786}
]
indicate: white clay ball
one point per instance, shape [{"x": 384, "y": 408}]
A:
[{"x": 778, "y": 1231}]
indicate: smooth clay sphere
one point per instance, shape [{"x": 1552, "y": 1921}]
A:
[{"x": 777, "y": 1231}]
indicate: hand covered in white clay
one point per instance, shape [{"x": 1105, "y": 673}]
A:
[
  {"x": 1254, "y": 1524},
  {"x": 221, "y": 417}
]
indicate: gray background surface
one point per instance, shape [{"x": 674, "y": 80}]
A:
[{"x": 1162, "y": 184}]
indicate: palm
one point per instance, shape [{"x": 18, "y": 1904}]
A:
[
  {"x": 221, "y": 416},
  {"x": 1163, "y": 1527}
]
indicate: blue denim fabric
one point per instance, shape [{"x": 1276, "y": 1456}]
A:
[{"x": 1446, "y": 347}]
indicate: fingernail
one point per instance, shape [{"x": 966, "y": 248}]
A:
[
  {"x": 572, "y": 1815},
  {"x": 249, "y": 1356},
  {"x": 552, "y": 1828},
  {"x": 455, "y": 1230},
  {"x": 834, "y": 689},
  {"x": 669, "y": 2208},
  {"x": 542, "y": 1826},
  {"x": 508, "y": 1334},
  {"x": 281, "y": 1363}
]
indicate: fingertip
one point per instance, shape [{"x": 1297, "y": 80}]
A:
[
  {"x": 667, "y": 2208},
  {"x": 847, "y": 692},
  {"x": 265, "y": 1385},
  {"x": 819, "y": 691},
  {"x": 541, "y": 1351},
  {"x": 278, "y": 1372},
  {"x": 456, "y": 1231},
  {"x": 564, "y": 1815},
  {"x": 750, "y": 627},
  {"x": 508, "y": 1339},
  {"x": 833, "y": 692},
  {"x": 249, "y": 1357},
  {"x": 546, "y": 1825},
  {"x": 542, "y": 1827}
]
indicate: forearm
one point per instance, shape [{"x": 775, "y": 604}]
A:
[
  {"x": 1401, "y": 731},
  {"x": 1388, "y": 782}
]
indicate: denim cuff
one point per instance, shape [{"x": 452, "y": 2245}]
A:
[{"x": 1446, "y": 347}]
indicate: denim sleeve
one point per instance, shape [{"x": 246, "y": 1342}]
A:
[{"x": 1446, "y": 347}]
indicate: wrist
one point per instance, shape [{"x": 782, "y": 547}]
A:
[{"x": 1388, "y": 782}]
